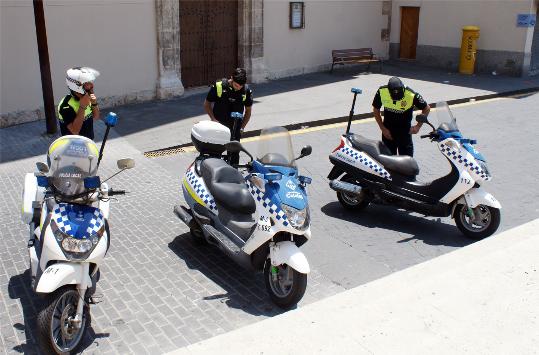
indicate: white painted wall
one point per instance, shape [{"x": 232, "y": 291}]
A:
[
  {"x": 329, "y": 24},
  {"x": 116, "y": 37},
  {"x": 441, "y": 22}
]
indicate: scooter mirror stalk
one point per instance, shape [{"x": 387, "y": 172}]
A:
[{"x": 355, "y": 91}]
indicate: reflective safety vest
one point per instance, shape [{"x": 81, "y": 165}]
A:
[
  {"x": 398, "y": 106},
  {"x": 219, "y": 87},
  {"x": 74, "y": 104}
]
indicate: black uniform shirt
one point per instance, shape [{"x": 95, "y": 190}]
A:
[
  {"x": 69, "y": 114},
  {"x": 399, "y": 123},
  {"x": 230, "y": 101}
]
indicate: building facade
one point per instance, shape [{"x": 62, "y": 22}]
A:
[{"x": 148, "y": 49}]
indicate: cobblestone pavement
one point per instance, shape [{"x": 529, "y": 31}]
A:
[{"x": 162, "y": 292}]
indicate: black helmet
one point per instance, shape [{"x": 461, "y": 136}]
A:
[
  {"x": 396, "y": 88},
  {"x": 239, "y": 76}
]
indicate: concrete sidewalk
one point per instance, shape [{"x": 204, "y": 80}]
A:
[
  {"x": 481, "y": 299},
  {"x": 305, "y": 98}
]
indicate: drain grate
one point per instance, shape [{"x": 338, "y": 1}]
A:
[{"x": 168, "y": 152}]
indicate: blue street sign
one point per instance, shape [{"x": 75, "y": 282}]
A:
[{"x": 526, "y": 20}]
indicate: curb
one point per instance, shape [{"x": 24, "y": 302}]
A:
[{"x": 341, "y": 119}]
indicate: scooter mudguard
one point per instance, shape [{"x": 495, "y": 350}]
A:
[
  {"x": 335, "y": 173},
  {"x": 477, "y": 196},
  {"x": 288, "y": 253},
  {"x": 60, "y": 274}
]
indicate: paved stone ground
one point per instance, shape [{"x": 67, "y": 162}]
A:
[{"x": 162, "y": 292}]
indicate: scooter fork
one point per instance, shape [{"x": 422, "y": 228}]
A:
[
  {"x": 81, "y": 288},
  {"x": 469, "y": 211}
]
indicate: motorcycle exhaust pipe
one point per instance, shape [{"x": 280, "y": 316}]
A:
[{"x": 346, "y": 187}]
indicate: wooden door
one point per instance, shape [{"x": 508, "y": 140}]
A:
[
  {"x": 409, "y": 31},
  {"x": 208, "y": 40}
]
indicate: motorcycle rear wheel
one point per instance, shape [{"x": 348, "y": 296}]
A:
[{"x": 353, "y": 202}]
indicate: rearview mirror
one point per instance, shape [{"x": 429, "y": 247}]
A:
[
  {"x": 126, "y": 163},
  {"x": 307, "y": 150},
  {"x": 233, "y": 147},
  {"x": 42, "y": 167}
]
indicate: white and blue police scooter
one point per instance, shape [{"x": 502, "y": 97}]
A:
[
  {"x": 370, "y": 174},
  {"x": 67, "y": 207},
  {"x": 259, "y": 220}
]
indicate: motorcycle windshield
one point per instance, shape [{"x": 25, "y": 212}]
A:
[
  {"x": 445, "y": 119},
  {"x": 72, "y": 159},
  {"x": 275, "y": 147}
]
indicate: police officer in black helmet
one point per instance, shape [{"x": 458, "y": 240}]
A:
[
  {"x": 227, "y": 96},
  {"x": 399, "y": 103}
]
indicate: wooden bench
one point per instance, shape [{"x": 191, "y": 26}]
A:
[{"x": 348, "y": 56}]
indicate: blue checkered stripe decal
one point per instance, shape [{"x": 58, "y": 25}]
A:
[
  {"x": 468, "y": 163},
  {"x": 62, "y": 221},
  {"x": 368, "y": 162},
  {"x": 197, "y": 184},
  {"x": 275, "y": 211}
]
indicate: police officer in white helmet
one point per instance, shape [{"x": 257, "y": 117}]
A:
[{"x": 78, "y": 110}]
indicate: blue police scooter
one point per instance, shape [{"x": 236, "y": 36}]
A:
[{"x": 259, "y": 220}]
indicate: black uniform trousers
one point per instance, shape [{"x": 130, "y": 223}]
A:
[{"x": 400, "y": 144}]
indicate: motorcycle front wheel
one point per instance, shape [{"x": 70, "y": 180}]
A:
[
  {"x": 482, "y": 223},
  {"x": 57, "y": 332},
  {"x": 285, "y": 285}
]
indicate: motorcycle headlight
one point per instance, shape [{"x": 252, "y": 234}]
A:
[
  {"x": 298, "y": 219},
  {"x": 484, "y": 167},
  {"x": 75, "y": 248}
]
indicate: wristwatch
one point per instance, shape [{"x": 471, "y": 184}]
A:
[{"x": 95, "y": 105}]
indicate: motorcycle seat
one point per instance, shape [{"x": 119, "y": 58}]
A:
[
  {"x": 227, "y": 186},
  {"x": 373, "y": 148},
  {"x": 402, "y": 164}
]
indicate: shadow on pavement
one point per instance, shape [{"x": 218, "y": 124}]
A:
[
  {"x": 245, "y": 289},
  {"x": 19, "y": 288},
  {"x": 431, "y": 232},
  {"x": 30, "y": 140},
  {"x": 26, "y": 140}
]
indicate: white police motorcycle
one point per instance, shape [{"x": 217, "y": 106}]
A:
[
  {"x": 259, "y": 220},
  {"x": 370, "y": 174},
  {"x": 66, "y": 207}
]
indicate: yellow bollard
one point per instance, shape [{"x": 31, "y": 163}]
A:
[{"x": 468, "y": 49}]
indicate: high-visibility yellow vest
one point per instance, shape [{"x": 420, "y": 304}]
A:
[
  {"x": 219, "y": 88},
  {"x": 74, "y": 104},
  {"x": 397, "y": 105}
]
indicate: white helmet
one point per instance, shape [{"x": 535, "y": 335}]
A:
[{"x": 78, "y": 76}]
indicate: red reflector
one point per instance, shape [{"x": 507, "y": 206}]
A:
[{"x": 340, "y": 146}]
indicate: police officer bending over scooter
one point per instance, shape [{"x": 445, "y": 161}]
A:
[{"x": 399, "y": 102}]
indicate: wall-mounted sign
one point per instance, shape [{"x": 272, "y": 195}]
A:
[
  {"x": 297, "y": 15},
  {"x": 526, "y": 20}
]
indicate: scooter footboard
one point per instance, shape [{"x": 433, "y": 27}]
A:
[
  {"x": 288, "y": 253},
  {"x": 60, "y": 274}
]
